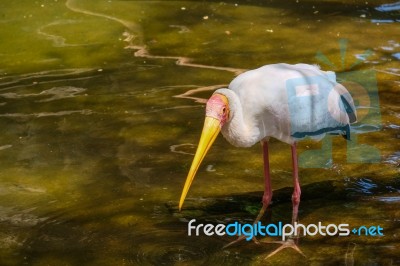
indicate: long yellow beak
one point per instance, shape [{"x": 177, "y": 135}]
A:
[{"x": 210, "y": 131}]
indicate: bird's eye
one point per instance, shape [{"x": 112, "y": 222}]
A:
[{"x": 224, "y": 110}]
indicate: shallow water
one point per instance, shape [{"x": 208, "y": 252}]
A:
[{"x": 102, "y": 104}]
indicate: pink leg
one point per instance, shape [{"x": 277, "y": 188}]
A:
[
  {"x": 290, "y": 243},
  {"x": 266, "y": 200},
  {"x": 296, "y": 191}
]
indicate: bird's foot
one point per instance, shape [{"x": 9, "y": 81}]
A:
[
  {"x": 290, "y": 243},
  {"x": 240, "y": 238}
]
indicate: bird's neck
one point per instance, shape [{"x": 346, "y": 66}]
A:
[{"x": 238, "y": 131}]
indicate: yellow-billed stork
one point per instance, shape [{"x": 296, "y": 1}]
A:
[{"x": 286, "y": 102}]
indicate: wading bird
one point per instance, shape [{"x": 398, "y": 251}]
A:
[{"x": 286, "y": 102}]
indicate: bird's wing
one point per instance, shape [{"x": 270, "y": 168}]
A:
[{"x": 348, "y": 102}]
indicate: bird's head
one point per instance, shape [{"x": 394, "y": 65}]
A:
[
  {"x": 218, "y": 108},
  {"x": 217, "y": 114}
]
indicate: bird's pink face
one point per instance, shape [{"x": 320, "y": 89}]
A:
[
  {"x": 217, "y": 113},
  {"x": 218, "y": 108}
]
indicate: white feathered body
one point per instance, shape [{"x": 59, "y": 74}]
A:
[{"x": 286, "y": 102}]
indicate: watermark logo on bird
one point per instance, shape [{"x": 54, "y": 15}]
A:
[{"x": 361, "y": 84}]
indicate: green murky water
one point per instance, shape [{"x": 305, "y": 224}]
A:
[{"x": 100, "y": 111}]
